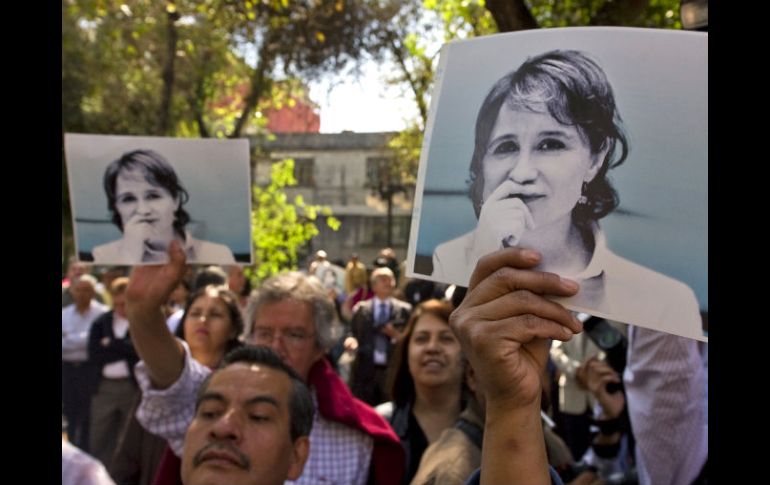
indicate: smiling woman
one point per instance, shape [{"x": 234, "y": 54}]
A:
[{"x": 146, "y": 201}]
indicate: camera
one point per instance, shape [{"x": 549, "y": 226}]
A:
[{"x": 610, "y": 340}]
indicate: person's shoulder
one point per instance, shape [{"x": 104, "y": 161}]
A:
[
  {"x": 452, "y": 458},
  {"x": 106, "y": 251},
  {"x": 213, "y": 252},
  {"x": 103, "y": 319},
  {"x": 617, "y": 267},
  {"x": 454, "y": 248},
  {"x": 450, "y": 259},
  {"x": 401, "y": 304},
  {"x": 362, "y": 305}
]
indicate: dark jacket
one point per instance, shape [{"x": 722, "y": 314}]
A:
[
  {"x": 115, "y": 349},
  {"x": 363, "y": 329},
  {"x": 413, "y": 439}
]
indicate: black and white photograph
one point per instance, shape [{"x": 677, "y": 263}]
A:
[
  {"x": 586, "y": 144},
  {"x": 131, "y": 196}
]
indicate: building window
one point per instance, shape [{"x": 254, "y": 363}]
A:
[
  {"x": 377, "y": 170},
  {"x": 303, "y": 171},
  {"x": 376, "y": 230}
]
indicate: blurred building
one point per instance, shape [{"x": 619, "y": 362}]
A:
[{"x": 346, "y": 172}]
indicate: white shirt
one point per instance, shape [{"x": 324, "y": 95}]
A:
[
  {"x": 74, "y": 330},
  {"x": 338, "y": 454},
  {"x": 173, "y": 320},
  {"x": 664, "y": 381},
  {"x": 119, "y": 369}
]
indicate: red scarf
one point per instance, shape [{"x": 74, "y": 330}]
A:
[{"x": 335, "y": 403}]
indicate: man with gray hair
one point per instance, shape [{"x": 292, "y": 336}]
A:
[
  {"x": 350, "y": 443},
  {"x": 77, "y": 373}
]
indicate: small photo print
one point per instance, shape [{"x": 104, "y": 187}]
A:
[{"x": 131, "y": 196}]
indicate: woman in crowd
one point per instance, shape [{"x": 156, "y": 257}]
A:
[{"x": 426, "y": 381}]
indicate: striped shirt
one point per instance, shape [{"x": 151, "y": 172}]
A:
[{"x": 664, "y": 380}]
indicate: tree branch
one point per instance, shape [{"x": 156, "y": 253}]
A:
[{"x": 511, "y": 15}]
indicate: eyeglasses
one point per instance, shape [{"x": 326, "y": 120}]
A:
[{"x": 291, "y": 337}]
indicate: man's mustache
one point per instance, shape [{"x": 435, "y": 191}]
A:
[{"x": 233, "y": 453}]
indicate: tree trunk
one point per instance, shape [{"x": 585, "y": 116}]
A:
[
  {"x": 168, "y": 73},
  {"x": 198, "y": 99},
  {"x": 260, "y": 83},
  {"x": 511, "y": 15},
  {"x": 619, "y": 12}
]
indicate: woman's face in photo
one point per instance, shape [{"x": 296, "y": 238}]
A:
[
  {"x": 141, "y": 203},
  {"x": 434, "y": 352},
  {"x": 545, "y": 161}
]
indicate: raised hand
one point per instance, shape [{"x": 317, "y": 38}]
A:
[
  {"x": 504, "y": 323},
  {"x": 147, "y": 292},
  {"x": 151, "y": 286},
  {"x": 597, "y": 375}
]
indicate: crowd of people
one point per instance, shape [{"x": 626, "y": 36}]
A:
[{"x": 189, "y": 376}]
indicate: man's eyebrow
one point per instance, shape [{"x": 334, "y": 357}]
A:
[
  {"x": 210, "y": 396},
  {"x": 216, "y": 396},
  {"x": 263, "y": 399}
]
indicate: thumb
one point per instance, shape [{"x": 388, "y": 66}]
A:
[{"x": 176, "y": 254}]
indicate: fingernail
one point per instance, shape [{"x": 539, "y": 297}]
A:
[
  {"x": 531, "y": 255},
  {"x": 578, "y": 323},
  {"x": 569, "y": 284}
]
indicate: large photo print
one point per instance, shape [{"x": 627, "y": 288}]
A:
[
  {"x": 131, "y": 196},
  {"x": 587, "y": 144}
]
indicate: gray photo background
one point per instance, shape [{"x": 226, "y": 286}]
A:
[
  {"x": 660, "y": 81},
  {"x": 215, "y": 173}
]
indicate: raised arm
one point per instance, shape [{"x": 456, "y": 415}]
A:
[
  {"x": 504, "y": 325},
  {"x": 148, "y": 290}
]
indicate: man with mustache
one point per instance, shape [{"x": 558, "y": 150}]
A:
[
  {"x": 292, "y": 315},
  {"x": 252, "y": 421}
]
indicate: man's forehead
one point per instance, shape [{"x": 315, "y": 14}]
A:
[
  {"x": 284, "y": 313},
  {"x": 249, "y": 379}
]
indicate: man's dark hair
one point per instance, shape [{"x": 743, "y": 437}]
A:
[
  {"x": 210, "y": 275},
  {"x": 300, "y": 402}
]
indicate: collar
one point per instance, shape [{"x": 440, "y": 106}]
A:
[
  {"x": 597, "y": 263},
  {"x": 336, "y": 403},
  {"x": 377, "y": 302}
]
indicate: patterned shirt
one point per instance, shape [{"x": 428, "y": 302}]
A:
[
  {"x": 338, "y": 454},
  {"x": 664, "y": 381}
]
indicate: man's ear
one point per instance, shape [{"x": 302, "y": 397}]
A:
[
  {"x": 470, "y": 377},
  {"x": 299, "y": 454}
]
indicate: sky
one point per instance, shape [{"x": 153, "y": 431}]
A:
[{"x": 362, "y": 105}]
